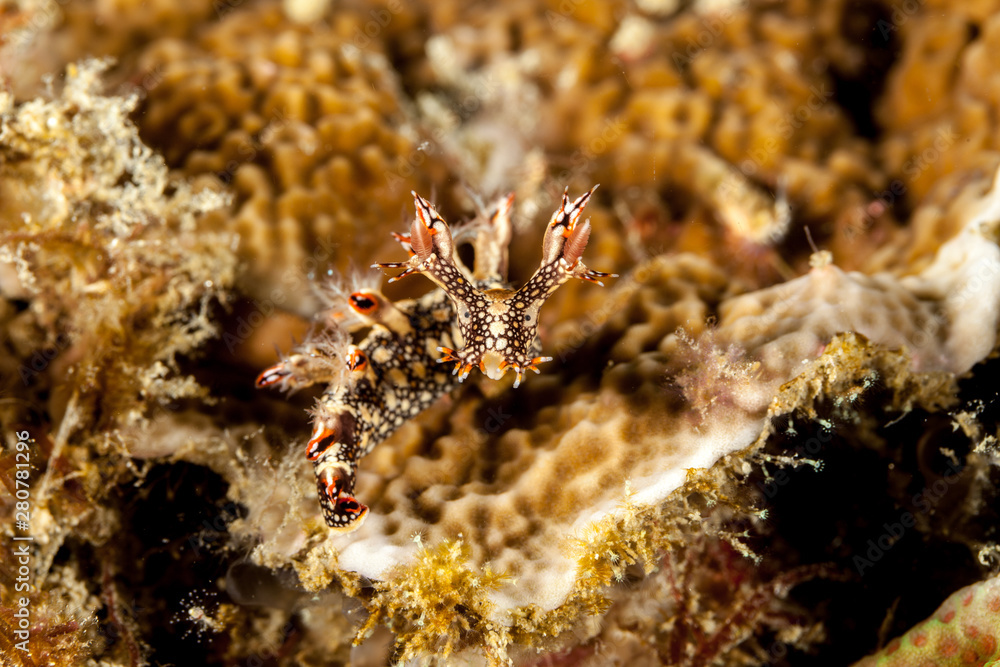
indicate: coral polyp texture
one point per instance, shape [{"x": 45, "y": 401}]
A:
[
  {"x": 392, "y": 374},
  {"x": 964, "y": 630},
  {"x": 791, "y": 381},
  {"x": 307, "y": 130}
]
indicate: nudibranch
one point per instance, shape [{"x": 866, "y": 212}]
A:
[{"x": 393, "y": 373}]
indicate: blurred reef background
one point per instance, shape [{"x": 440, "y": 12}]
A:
[{"x": 772, "y": 441}]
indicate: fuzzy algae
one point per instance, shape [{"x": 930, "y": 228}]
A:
[{"x": 118, "y": 282}]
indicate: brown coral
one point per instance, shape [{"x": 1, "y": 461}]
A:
[
  {"x": 308, "y": 129},
  {"x": 726, "y": 115},
  {"x": 602, "y": 467}
]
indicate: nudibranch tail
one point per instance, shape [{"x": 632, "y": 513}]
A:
[
  {"x": 341, "y": 511},
  {"x": 314, "y": 362}
]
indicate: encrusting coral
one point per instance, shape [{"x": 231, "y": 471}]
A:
[
  {"x": 964, "y": 630},
  {"x": 638, "y": 501}
]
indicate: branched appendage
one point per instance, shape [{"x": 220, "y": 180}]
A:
[
  {"x": 498, "y": 325},
  {"x": 313, "y": 362}
]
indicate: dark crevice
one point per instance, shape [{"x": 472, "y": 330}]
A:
[
  {"x": 869, "y": 25},
  {"x": 884, "y": 516},
  {"x": 178, "y": 527}
]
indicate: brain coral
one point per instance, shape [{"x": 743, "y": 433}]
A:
[{"x": 308, "y": 129}]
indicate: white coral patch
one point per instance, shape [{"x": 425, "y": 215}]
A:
[{"x": 946, "y": 317}]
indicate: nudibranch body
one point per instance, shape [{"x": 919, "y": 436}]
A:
[{"x": 394, "y": 372}]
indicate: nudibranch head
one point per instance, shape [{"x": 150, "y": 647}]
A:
[{"x": 498, "y": 325}]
